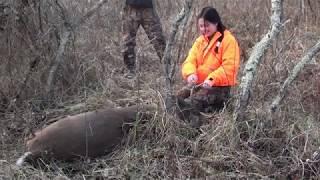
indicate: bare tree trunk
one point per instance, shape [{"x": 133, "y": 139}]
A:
[
  {"x": 254, "y": 61},
  {"x": 57, "y": 61},
  {"x": 69, "y": 27},
  {"x": 306, "y": 58},
  {"x": 169, "y": 65}
]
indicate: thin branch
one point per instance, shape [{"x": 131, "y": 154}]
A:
[
  {"x": 62, "y": 11},
  {"x": 296, "y": 70},
  {"x": 89, "y": 13},
  {"x": 255, "y": 59}
]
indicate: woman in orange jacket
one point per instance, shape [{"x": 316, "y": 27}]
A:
[{"x": 212, "y": 63}]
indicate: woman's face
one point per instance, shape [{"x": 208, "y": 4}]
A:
[{"x": 206, "y": 28}]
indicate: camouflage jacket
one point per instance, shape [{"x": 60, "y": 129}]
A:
[{"x": 140, "y": 3}]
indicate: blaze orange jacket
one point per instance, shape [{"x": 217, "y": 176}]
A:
[{"x": 222, "y": 67}]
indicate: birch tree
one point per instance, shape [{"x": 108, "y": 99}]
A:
[
  {"x": 309, "y": 55},
  {"x": 169, "y": 64},
  {"x": 255, "y": 60},
  {"x": 251, "y": 68}
]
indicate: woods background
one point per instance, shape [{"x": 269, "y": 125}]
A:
[{"x": 89, "y": 76}]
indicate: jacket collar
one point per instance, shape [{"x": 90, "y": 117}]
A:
[{"x": 211, "y": 42}]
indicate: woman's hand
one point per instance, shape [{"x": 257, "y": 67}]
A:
[
  {"x": 207, "y": 84},
  {"x": 192, "y": 79}
]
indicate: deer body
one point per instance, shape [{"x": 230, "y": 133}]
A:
[{"x": 88, "y": 134}]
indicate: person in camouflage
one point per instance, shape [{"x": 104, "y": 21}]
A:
[{"x": 136, "y": 13}]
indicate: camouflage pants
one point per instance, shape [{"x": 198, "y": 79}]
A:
[
  {"x": 132, "y": 19},
  {"x": 201, "y": 100}
]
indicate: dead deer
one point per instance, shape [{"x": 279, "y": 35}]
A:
[{"x": 89, "y": 134}]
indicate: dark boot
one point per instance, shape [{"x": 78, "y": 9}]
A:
[
  {"x": 130, "y": 74},
  {"x": 187, "y": 112}
]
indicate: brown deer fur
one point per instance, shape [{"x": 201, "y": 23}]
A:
[{"x": 88, "y": 134}]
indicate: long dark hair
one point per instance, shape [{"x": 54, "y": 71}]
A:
[{"x": 210, "y": 14}]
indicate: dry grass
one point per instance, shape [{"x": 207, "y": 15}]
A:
[{"x": 164, "y": 147}]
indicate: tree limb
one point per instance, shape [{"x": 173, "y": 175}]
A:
[
  {"x": 169, "y": 65},
  {"x": 58, "y": 59},
  {"x": 294, "y": 73},
  {"x": 89, "y": 13},
  {"x": 255, "y": 59}
]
